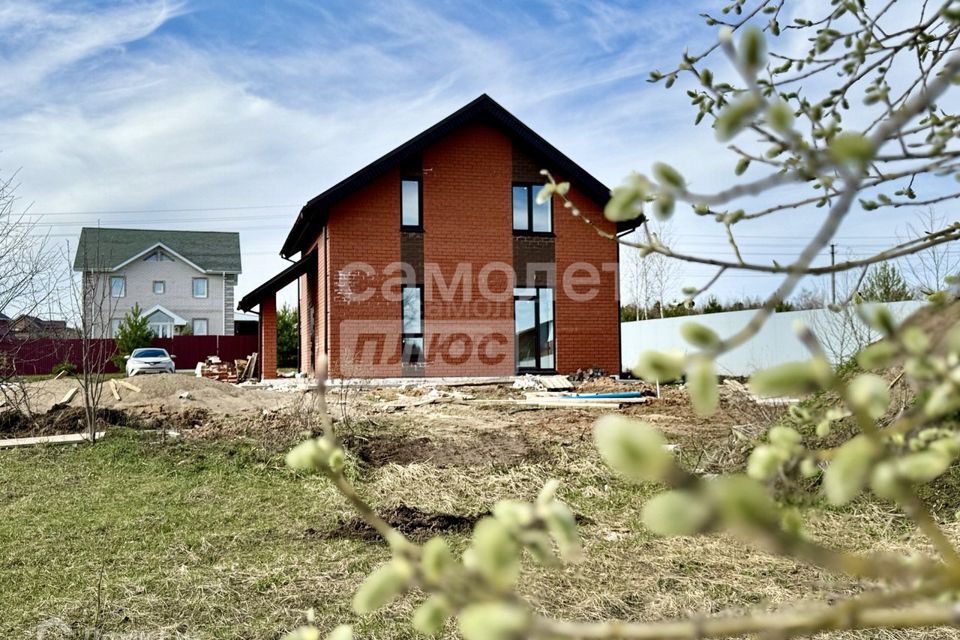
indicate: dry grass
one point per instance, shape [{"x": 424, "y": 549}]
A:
[{"x": 212, "y": 538}]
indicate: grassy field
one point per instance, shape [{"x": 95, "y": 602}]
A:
[{"x": 213, "y": 538}]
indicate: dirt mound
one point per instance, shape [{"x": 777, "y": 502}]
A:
[
  {"x": 167, "y": 393},
  {"x": 14, "y": 424},
  {"x": 412, "y": 522},
  {"x": 495, "y": 447}
]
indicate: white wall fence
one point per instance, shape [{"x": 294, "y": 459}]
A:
[{"x": 842, "y": 335}]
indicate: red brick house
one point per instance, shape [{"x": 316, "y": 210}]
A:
[{"x": 437, "y": 260}]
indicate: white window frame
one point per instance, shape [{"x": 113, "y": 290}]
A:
[
  {"x": 206, "y": 287},
  {"x": 163, "y": 287},
  {"x": 123, "y": 286},
  {"x": 114, "y": 326},
  {"x": 206, "y": 326}
]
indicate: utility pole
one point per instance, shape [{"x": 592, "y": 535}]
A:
[{"x": 833, "y": 274}]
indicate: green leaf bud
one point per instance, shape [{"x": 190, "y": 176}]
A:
[
  {"x": 809, "y": 468},
  {"x": 664, "y": 205},
  {"x": 436, "y": 560},
  {"x": 922, "y": 467},
  {"x": 658, "y": 366},
  {"x": 702, "y": 382},
  {"x": 317, "y": 454},
  {"x": 308, "y": 632},
  {"x": 785, "y": 438},
  {"x": 780, "y": 116},
  {"x": 823, "y": 428},
  {"x": 545, "y": 193},
  {"x": 850, "y": 148},
  {"x": 493, "y": 621},
  {"x": 869, "y": 393},
  {"x": 430, "y": 616},
  {"x": 877, "y": 356},
  {"x": 744, "y": 502},
  {"x": 764, "y": 461},
  {"x": 915, "y": 341},
  {"x": 742, "y": 165},
  {"x": 668, "y": 176},
  {"x": 382, "y": 586},
  {"x": 341, "y": 632},
  {"x": 699, "y": 335},
  {"x": 792, "y": 378},
  {"x": 878, "y": 316},
  {"x": 633, "y": 449},
  {"x": 943, "y": 399},
  {"x": 885, "y": 481},
  {"x": 753, "y": 48},
  {"x": 514, "y": 514},
  {"x": 849, "y": 470},
  {"x": 949, "y": 446},
  {"x": 496, "y": 553},
  {"x": 562, "y": 526},
  {"x": 676, "y": 513},
  {"x": 735, "y": 116}
]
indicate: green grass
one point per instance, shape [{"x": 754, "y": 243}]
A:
[{"x": 215, "y": 539}]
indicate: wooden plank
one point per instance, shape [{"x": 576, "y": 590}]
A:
[
  {"x": 127, "y": 385},
  {"x": 113, "y": 390},
  {"x": 555, "y": 383},
  {"x": 67, "y": 438},
  {"x": 62, "y": 373},
  {"x": 67, "y": 398}
]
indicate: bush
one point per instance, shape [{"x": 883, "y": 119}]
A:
[
  {"x": 133, "y": 333},
  {"x": 66, "y": 367}
]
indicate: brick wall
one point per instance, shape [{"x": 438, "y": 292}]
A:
[
  {"x": 268, "y": 338},
  {"x": 588, "y": 330},
  {"x": 364, "y": 317},
  {"x": 468, "y": 225}
]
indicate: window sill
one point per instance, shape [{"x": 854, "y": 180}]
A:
[
  {"x": 534, "y": 234},
  {"x": 411, "y": 229}
]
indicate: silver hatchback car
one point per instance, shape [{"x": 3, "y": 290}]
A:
[{"x": 149, "y": 360}]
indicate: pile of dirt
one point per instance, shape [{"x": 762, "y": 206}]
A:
[
  {"x": 494, "y": 447},
  {"x": 167, "y": 393},
  {"x": 15, "y": 424},
  {"x": 414, "y": 523}
]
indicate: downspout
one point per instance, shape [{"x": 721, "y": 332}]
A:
[{"x": 223, "y": 304}]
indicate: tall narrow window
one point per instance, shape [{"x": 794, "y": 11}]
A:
[
  {"x": 528, "y": 216},
  {"x": 199, "y": 287},
  {"x": 411, "y": 210},
  {"x": 118, "y": 286},
  {"x": 533, "y": 320},
  {"x": 412, "y": 337}
]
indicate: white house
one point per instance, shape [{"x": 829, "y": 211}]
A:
[{"x": 183, "y": 281}]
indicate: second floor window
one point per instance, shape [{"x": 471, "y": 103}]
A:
[
  {"x": 199, "y": 287},
  {"x": 159, "y": 286},
  {"x": 118, "y": 286},
  {"x": 528, "y": 216},
  {"x": 411, "y": 211}
]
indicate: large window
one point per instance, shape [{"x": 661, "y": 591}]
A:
[
  {"x": 118, "y": 286},
  {"x": 200, "y": 287},
  {"x": 533, "y": 320},
  {"x": 199, "y": 326},
  {"x": 528, "y": 216},
  {"x": 412, "y": 337},
  {"x": 411, "y": 209}
]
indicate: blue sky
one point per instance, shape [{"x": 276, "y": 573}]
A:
[{"x": 230, "y": 114}]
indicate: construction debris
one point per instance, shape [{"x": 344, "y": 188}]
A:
[
  {"x": 66, "y": 399},
  {"x": 215, "y": 369},
  {"x": 69, "y": 438},
  {"x": 114, "y": 391},
  {"x": 128, "y": 385},
  {"x": 543, "y": 383}
]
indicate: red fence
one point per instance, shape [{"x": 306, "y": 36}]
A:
[{"x": 38, "y": 357}]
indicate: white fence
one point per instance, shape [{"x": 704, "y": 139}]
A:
[{"x": 842, "y": 335}]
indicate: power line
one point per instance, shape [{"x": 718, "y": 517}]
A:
[{"x": 185, "y": 210}]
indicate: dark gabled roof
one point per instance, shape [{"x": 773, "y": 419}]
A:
[
  {"x": 3, "y": 316},
  {"x": 105, "y": 249},
  {"x": 484, "y": 109},
  {"x": 279, "y": 281}
]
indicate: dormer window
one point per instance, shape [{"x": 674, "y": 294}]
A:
[{"x": 158, "y": 255}]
